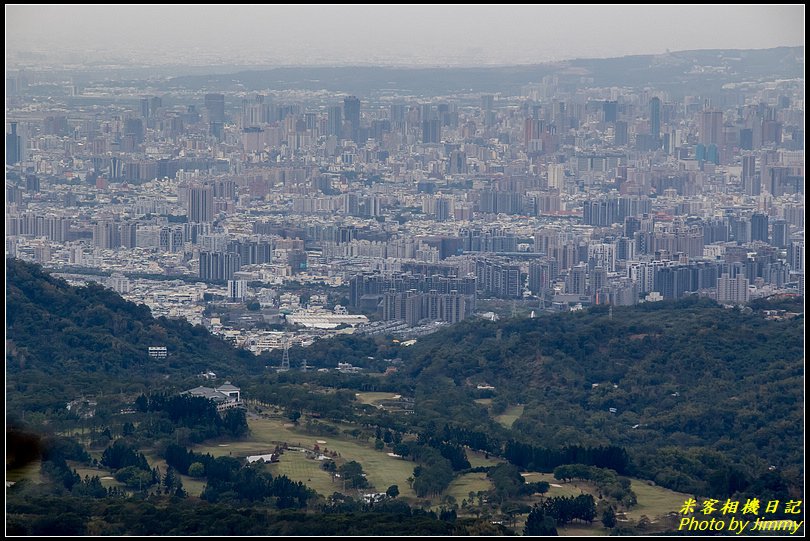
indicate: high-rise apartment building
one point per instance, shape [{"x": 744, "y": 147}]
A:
[
  {"x": 201, "y": 204},
  {"x": 351, "y": 111}
]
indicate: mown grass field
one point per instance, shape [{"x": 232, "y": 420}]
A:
[
  {"x": 508, "y": 417},
  {"x": 30, "y": 471},
  {"x": 562, "y": 489},
  {"x": 382, "y": 470},
  {"x": 296, "y": 466},
  {"x": 582, "y": 530},
  {"x": 654, "y": 501},
  {"x": 478, "y": 459},
  {"x": 373, "y": 398},
  {"x": 85, "y": 471},
  {"x": 462, "y": 485}
]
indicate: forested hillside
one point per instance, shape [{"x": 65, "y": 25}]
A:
[
  {"x": 63, "y": 342},
  {"x": 701, "y": 396}
]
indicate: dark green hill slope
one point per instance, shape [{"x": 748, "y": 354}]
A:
[
  {"x": 63, "y": 342},
  {"x": 690, "y": 389}
]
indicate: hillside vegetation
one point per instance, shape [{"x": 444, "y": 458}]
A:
[{"x": 698, "y": 394}]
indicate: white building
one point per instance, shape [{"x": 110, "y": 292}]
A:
[
  {"x": 236, "y": 289},
  {"x": 732, "y": 290}
]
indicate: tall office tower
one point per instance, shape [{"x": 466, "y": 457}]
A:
[
  {"x": 379, "y": 127},
  {"x": 445, "y": 208},
  {"x": 541, "y": 275},
  {"x": 32, "y": 183},
  {"x": 201, "y": 204},
  {"x": 779, "y": 237},
  {"x": 458, "y": 163},
  {"x": 558, "y": 115},
  {"x": 13, "y": 146},
  {"x": 129, "y": 234},
  {"x": 431, "y": 131},
  {"x": 796, "y": 255},
  {"x": 145, "y": 108},
  {"x": 351, "y": 110},
  {"x": 710, "y": 128},
  {"x": 217, "y": 129},
  {"x": 133, "y": 127},
  {"x": 620, "y": 137},
  {"x": 610, "y": 110},
  {"x": 155, "y": 103},
  {"x": 215, "y": 105},
  {"x": 556, "y": 177},
  {"x": 750, "y": 179},
  {"x": 576, "y": 283},
  {"x": 255, "y": 112},
  {"x": 655, "y": 118},
  {"x": 398, "y": 113},
  {"x": 487, "y": 102},
  {"x": 759, "y": 227},
  {"x": 334, "y": 121},
  {"x": 532, "y": 128}
]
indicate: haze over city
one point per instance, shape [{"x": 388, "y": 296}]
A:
[
  {"x": 388, "y": 35},
  {"x": 404, "y": 270}
]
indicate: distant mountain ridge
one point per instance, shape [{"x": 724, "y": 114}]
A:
[{"x": 674, "y": 71}]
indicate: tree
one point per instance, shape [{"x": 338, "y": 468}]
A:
[
  {"x": 609, "y": 517},
  {"x": 170, "y": 481},
  {"x": 197, "y": 469},
  {"x": 401, "y": 449},
  {"x": 352, "y": 473},
  {"x": 128, "y": 429},
  {"x": 392, "y": 492},
  {"x": 379, "y": 445},
  {"x": 585, "y": 507},
  {"x": 294, "y": 416},
  {"x": 235, "y": 422},
  {"x": 141, "y": 403},
  {"x": 538, "y": 523}
]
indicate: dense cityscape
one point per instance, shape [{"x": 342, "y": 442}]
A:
[{"x": 398, "y": 213}]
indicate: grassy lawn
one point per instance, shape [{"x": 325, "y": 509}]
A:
[
  {"x": 382, "y": 470},
  {"x": 85, "y": 471},
  {"x": 462, "y": 485},
  {"x": 296, "y": 466},
  {"x": 191, "y": 485},
  {"x": 30, "y": 472},
  {"x": 373, "y": 398},
  {"x": 478, "y": 458},
  {"x": 564, "y": 489},
  {"x": 654, "y": 501},
  {"x": 508, "y": 417},
  {"x": 582, "y": 529},
  {"x": 483, "y": 401}
]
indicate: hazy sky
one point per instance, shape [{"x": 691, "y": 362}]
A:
[{"x": 436, "y": 35}]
